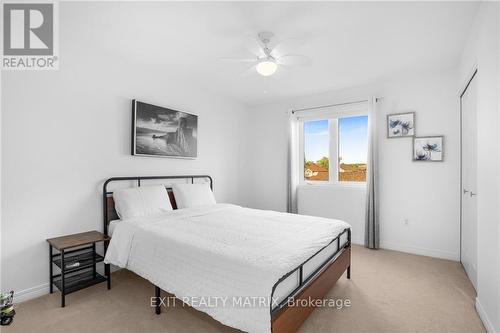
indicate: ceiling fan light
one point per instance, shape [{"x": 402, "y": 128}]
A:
[{"x": 266, "y": 68}]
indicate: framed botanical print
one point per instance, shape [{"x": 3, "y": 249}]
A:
[
  {"x": 401, "y": 125},
  {"x": 428, "y": 148}
]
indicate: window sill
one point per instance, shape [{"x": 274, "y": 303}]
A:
[{"x": 347, "y": 185}]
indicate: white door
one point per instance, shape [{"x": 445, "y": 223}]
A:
[{"x": 468, "y": 234}]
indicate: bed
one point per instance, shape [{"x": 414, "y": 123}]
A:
[{"x": 222, "y": 259}]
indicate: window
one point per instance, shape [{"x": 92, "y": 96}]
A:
[
  {"x": 316, "y": 150},
  {"x": 353, "y": 149},
  {"x": 334, "y": 146}
]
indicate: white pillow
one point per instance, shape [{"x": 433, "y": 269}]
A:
[
  {"x": 141, "y": 201},
  {"x": 191, "y": 195}
]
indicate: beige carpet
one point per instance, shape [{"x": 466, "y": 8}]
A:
[{"x": 389, "y": 291}]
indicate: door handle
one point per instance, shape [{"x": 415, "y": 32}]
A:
[
  {"x": 472, "y": 194},
  {"x": 465, "y": 191}
]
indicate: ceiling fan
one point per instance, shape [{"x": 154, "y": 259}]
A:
[{"x": 269, "y": 59}]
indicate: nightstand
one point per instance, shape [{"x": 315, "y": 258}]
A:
[{"x": 77, "y": 261}]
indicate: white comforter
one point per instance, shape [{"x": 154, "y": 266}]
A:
[{"x": 221, "y": 252}]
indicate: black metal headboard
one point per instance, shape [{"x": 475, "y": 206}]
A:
[{"x": 107, "y": 195}]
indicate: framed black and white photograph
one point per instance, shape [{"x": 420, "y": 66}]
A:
[
  {"x": 401, "y": 125},
  {"x": 162, "y": 132},
  {"x": 428, "y": 148}
]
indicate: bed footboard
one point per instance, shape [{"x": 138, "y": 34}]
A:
[{"x": 289, "y": 319}]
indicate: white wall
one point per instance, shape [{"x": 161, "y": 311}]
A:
[
  {"x": 71, "y": 130},
  {"x": 427, "y": 194},
  {"x": 347, "y": 204},
  {"x": 65, "y": 132},
  {"x": 1, "y": 104},
  {"x": 482, "y": 51}
]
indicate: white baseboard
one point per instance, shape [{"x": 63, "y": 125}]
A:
[
  {"x": 420, "y": 251},
  {"x": 30, "y": 293},
  {"x": 484, "y": 317},
  {"x": 43, "y": 289}
]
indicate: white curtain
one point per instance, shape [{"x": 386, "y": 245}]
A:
[
  {"x": 292, "y": 168},
  {"x": 372, "y": 223}
]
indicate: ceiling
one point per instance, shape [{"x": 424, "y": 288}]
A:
[{"x": 348, "y": 43}]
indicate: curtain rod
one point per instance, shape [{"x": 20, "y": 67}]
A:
[{"x": 332, "y": 105}]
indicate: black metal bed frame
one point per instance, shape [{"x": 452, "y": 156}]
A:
[
  {"x": 106, "y": 193},
  {"x": 138, "y": 179},
  {"x": 303, "y": 283}
]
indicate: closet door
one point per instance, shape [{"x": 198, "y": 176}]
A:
[{"x": 468, "y": 234}]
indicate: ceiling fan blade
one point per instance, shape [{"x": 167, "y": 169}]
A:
[
  {"x": 249, "y": 71},
  {"x": 294, "y": 60},
  {"x": 238, "y": 59},
  {"x": 254, "y": 46},
  {"x": 284, "y": 45},
  {"x": 281, "y": 72}
]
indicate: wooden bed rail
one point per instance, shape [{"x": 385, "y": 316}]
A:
[{"x": 289, "y": 319}]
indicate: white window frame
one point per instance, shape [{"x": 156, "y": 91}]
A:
[{"x": 332, "y": 114}]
